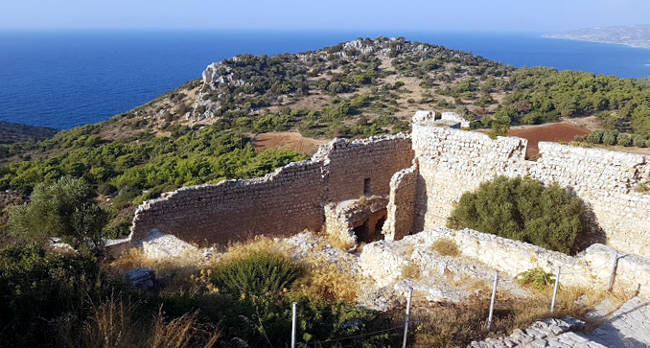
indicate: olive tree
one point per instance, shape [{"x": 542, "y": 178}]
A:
[{"x": 64, "y": 209}]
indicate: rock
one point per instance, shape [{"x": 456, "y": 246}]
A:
[
  {"x": 141, "y": 278},
  {"x": 159, "y": 245}
]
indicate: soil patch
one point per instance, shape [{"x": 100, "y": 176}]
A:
[
  {"x": 293, "y": 141},
  {"x": 557, "y": 132}
]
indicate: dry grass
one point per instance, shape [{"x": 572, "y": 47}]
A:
[
  {"x": 445, "y": 247},
  {"x": 450, "y": 325},
  {"x": 183, "y": 332},
  {"x": 117, "y": 324},
  {"x": 411, "y": 271},
  {"x": 328, "y": 280},
  {"x": 257, "y": 244},
  {"x": 338, "y": 242},
  {"x": 112, "y": 324},
  {"x": 174, "y": 273}
]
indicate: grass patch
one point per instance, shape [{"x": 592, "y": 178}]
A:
[
  {"x": 446, "y": 247},
  {"x": 535, "y": 277}
]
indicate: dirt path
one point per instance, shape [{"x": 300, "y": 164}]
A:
[{"x": 293, "y": 141}]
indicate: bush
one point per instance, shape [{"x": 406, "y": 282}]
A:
[
  {"x": 535, "y": 277},
  {"x": 37, "y": 287},
  {"x": 257, "y": 274},
  {"x": 639, "y": 141},
  {"x": 523, "y": 209},
  {"x": 624, "y": 139},
  {"x": 595, "y": 137},
  {"x": 609, "y": 137},
  {"x": 63, "y": 209}
]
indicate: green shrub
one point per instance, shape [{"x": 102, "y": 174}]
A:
[
  {"x": 523, "y": 209},
  {"x": 257, "y": 274},
  {"x": 624, "y": 139},
  {"x": 639, "y": 141},
  {"x": 609, "y": 137},
  {"x": 595, "y": 137},
  {"x": 535, "y": 277},
  {"x": 63, "y": 209},
  {"x": 37, "y": 287}
]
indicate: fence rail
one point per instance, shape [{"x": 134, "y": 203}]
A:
[{"x": 405, "y": 327}]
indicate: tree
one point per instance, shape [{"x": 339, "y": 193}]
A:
[
  {"x": 64, "y": 209},
  {"x": 624, "y": 139},
  {"x": 609, "y": 137},
  {"x": 523, "y": 209}
]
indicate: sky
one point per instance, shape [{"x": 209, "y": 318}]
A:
[{"x": 421, "y": 15}]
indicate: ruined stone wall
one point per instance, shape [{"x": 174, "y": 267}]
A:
[
  {"x": 342, "y": 217},
  {"x": 452, "y": 162},
  {"x": 287, "y": 201},
  {"x": 401, "y": 205},
  {"x": 283, "y": 202},
  {"x": 591, "y": 268},
  {"x": 349, "y": 164}
]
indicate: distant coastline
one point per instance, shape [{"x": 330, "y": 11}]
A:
[
  {"x": 637, "y": 36},
  {"x": 144, "y": 65},
  {"x": 568, "y": 37}
]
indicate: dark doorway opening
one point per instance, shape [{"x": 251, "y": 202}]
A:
[
  {"x": 370, "y": 229},
  {"x": 367, "y": 188}
]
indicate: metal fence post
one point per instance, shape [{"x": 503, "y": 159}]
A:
[
  {"x": 293, "y": 325},
  {"x": 494, "y": 295},
  {"x": 557, "y": 284},
  {"x": 406, "y": 319}
]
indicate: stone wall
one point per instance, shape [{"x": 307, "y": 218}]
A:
[
  {"x": 341, "y": 219},
  {"x": 285, "y": 202},
  {"x": 349, "y": 164},
  {"x": 401, "y": 205},
  {"x": 385, "y": 261},
  {"x": 452, "y": 162},
  {"x": 591, "y": 268}
]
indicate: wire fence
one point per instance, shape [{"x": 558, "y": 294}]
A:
[{"x": 410, "y": 297}]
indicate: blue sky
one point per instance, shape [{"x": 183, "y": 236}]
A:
[{"x": 454, "y": 15}]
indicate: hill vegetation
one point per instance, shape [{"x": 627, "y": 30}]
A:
[
  {"x": 203, "y": 131},
  {"x": 13, "y": 132}
]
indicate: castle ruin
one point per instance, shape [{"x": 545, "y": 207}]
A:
[{"x": 389, "y": 187}]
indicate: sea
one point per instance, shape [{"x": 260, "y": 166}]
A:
[{"x": 63, "y": 79}]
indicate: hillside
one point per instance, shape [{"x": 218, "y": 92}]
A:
[
  {"x": 206, "y": 130},
  {"x": 634, "y": 36},
  {"x": 14, "y": 132}
]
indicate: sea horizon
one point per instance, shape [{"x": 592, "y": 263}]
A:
[{"x": 66, "y": 78}]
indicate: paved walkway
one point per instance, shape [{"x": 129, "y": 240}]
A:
[{"x": 628, "y": 327}]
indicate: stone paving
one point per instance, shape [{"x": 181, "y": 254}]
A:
[{"x": 628, "y": 327}]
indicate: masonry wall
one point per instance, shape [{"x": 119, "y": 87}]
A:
[
  {"x": 377, "y": 159},
  {"x": 452, "y": 162},
  {"x": 287, "y": 201},
  {"x": 401, "y": 205},
  {"x": 591, "y": 268}
]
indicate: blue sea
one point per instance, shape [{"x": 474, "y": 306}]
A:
[{"x": 65, "y": 79}]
